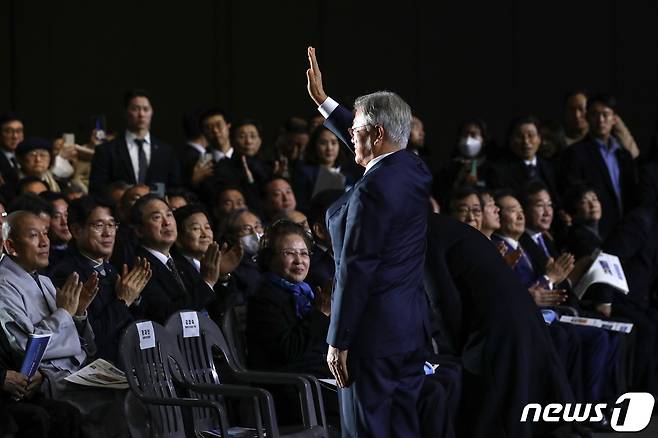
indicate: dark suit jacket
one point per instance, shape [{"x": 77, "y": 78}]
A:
[
  {"x": 648, "y": 187},
  {"x": 10, "y": 176},
  {"x": 583, "y": 162},
  {"x": 194, "y": 281},
  {"x": 378, "y": 233},
  {"x": 278, "y": 340},
  {"x": 493, "y": 323},
  {"x": 188, "y": 157},
  {"x": 322, "y": 269},
  {"x": 107, "y": 314},
  {"x": 111, "y": 163},
  {"x": 511, "y": 172},
  {"x": 162, "y": 296}
]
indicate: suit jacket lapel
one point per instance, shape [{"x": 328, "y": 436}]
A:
[
  {"x": 124, "y": 157},
  {"x": 156, "y": 160}
]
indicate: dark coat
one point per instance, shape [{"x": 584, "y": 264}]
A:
[
  {"x": 278, "y": 340},
  {"x": 112, "y": 163},
  {"x": 582, "y": 162},
  {"x": 511, "y": 172},
  {"x": 107, "y": 314}
]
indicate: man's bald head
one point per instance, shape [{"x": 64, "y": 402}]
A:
[{"x": 26, "y": 240}]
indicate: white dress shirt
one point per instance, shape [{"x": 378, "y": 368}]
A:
[{"x": 133, "y": 150}]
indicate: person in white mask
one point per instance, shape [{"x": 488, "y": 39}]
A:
[{"x": 468, "y": 165}]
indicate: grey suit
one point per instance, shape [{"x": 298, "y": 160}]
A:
[{"x": 25, "y": 309}]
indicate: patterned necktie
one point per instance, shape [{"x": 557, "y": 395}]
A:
[
  {"x": 542, "y": 244},
  {"x": 141, "y": 161},
  {"x": 174, "y": 272}
]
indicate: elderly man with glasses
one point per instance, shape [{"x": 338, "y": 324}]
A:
[{"x": 379, "y": 330}]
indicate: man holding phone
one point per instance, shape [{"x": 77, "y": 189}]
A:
[{"x": 136, "y": 157}]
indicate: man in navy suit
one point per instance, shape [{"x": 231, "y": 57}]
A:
[
  {"x": 379, "y": 330},
  {"x": 135, "y": 157}
]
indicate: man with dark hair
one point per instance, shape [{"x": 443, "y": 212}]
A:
[
  {"x": 135, "y": 157},
  {"x": 522, "y": 163},
  {"x": 94, "y": 228},
  {"x": 58, "y": 232},
  {"x": 602, "y": 162},
  {"x": 196, "y": 162},
  {"x": 277, "y": 197},
  {"x": 155, "y": 227},
  {"x": 11, "y": 135}
]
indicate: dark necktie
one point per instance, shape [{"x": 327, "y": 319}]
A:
[
  {"x": 542, "y": 244},
  {"x": 141, "y": 161},
  {"x": 14, "y": 163},
  {"x": 532, "y": 170},
  {"x": 174, "y": 272}
]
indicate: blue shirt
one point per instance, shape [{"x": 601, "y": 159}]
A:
[{"x": 611, "y": 163}]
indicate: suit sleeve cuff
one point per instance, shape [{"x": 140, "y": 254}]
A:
[{"x": 327, "y": 107}]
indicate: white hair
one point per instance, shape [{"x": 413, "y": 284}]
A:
[{"x": 389, "y": 110}]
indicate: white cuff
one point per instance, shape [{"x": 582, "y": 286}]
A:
[{"x": 327, "y": 107}]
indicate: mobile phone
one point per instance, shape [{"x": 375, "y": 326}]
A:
[
  {"x": 69, "y": 138},
  {"x": 158, "y": 189},
  {"x": 205, "y": 158},
  {"x": 98, "y": 122}
]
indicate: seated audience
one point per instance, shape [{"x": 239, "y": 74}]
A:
[
  {"x": 58, "y": 233},
  {"x": 11, "y": 135},
  {"x": 323, "y": 266},
  {"x": 277, "y": 198},
  {"x": 35, "y": 156},
  {"x": 32, "y": 184},
  {"x": 125, "y": 243},
  {"x": 465, "y": 206},
  {"x": 116, "y": 304},
  {"x": 165, "y": 293},
  {"x": 287, "y": 322},
  {"x": 30, "y": 304}
]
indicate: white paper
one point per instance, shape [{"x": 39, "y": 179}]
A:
[
  {"x": 605, "y": 269},
  {"x": 146, "y": 335},
  {"x": 100, "y": 374},
  {"x": 190, "y": 321},
  {"x": 615, "y": 326}
]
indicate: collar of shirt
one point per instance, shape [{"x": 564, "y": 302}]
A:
[
  {"x": 533, "y": 234},
  {"x": 94, "y": 263},
  {"x": 196, "y": 263},
  {"x": 131, "y": 136},
  {"x": 158, "y": 255},
  {"x": 511, "y": 242},
  {"x": 219, "y": 155},
  {"x": 608, "y": 150},
  {"x": 9, "y": 155},
  {"x": 197, "y": 147},
  {"x": 532, "y": 162},
  {"x": 376, "y": 160}
]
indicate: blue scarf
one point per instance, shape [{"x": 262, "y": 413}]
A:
[{"x": 301, "y": 291}]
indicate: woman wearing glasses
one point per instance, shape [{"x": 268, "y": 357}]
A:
[{"x": 287, "y": 322}]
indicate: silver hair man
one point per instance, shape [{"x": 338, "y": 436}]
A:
[{"x": 389, "y": 110}]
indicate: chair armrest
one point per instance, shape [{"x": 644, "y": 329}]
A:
[
  {"x": 258, "y": 395},
  {"x": 191, "y": 403},
  {"x": 301, "y": 383}
]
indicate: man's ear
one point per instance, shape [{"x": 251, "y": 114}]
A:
[
  {"x": 319, "y": 231},
  {"x": 380, "y": 134},
  {"x": 10, "y": 248}
]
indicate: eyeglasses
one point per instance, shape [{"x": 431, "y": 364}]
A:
[
  {"x": 249, "y": 229},
  {"x": 466, "y": 210},
  {"x": 98, "y": 227},
  {"x": 10, "y": 131},
  {"x": 357, "y": 129},
  {"x": 290, "y": 252}
]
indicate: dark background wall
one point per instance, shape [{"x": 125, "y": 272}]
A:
[{"x": 61, "y": 62}]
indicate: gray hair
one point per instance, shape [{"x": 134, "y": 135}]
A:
[
  {"x": 10, "y": 223},
  {"x": 387, "y": 109}
]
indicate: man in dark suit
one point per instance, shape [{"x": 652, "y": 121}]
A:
[
  {"x": 117, "y": 302},
  {"x": 165, "y": 293},
  {"x": 11, "y": 135},
  {"x": 600, "y": 161},
  {"x": 194, "y": 168},
  {"x": 523, "y": 164},
  {"x": 379, "y": 313},
  {"x": 135, "y": 157}
]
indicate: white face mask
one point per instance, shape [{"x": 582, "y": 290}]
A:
[
  {"x": 250, "y": 244},
  {"x": 470, "y": 147}
]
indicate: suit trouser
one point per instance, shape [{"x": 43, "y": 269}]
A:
[{"x": 381, "y": 401}]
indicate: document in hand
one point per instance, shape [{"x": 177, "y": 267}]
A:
[
  {"x": 606, "y": 269},
  {"x": 100, "y": 374},
  {"x": 36, "y": 347}
]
